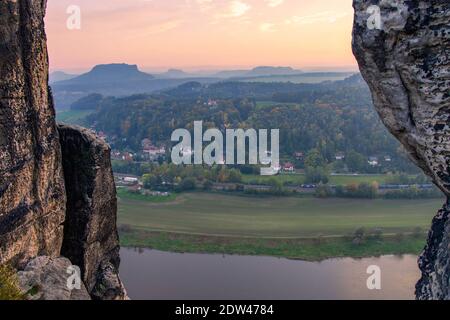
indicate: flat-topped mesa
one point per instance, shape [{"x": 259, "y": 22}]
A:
[
  {"x": 32, "y": 196},
  {"x": 403, "y": 51}
]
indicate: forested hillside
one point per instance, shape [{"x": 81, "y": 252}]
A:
[{"x": 332, "y": 117}]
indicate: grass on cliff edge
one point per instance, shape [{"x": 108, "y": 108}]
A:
[
  {"x": 302, "y": 249},
  {"x": 9, "y": 288}
]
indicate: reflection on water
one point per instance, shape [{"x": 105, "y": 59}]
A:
[{"x": 150, "y": 274}]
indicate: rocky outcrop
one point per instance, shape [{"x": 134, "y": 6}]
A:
[
  {"x": 44, "y": 212},
  {"x": 91, "y": 240},
  {"x": 46, "y": 278},
  {"x": 32, "y": 196},
  {"x": 403, "y": 50},
  {"x": 435, "y": 260}
]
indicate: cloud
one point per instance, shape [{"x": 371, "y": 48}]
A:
[
  {"x": 267, "y": 27},
  {"x": 321, "y": 17},
  {"x": 238, "y": 8},
  {"x": 222, "y": 9},
  {"x": 162, "y": 27},
  {"x": 274, "y": 3},
  {"x": 204, "y": 5}
]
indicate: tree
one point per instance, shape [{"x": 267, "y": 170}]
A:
[
  {"x": 316, "y": 175},
  {"x": 358, "y": 236},
  {"x": 275, "y": 185},
  {"x": 377, "y": 234},
  {"x": 234, "y": 176},
  {"x": 323, "y": 191},
  {"x": 151, "y": 181},
  {"x": 187, "y": 184},
  {"x": 207, "y": 185},
  {"x": 314, "y": 159},
  {"x": 356, "y": 162}
]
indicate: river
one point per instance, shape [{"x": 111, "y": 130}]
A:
[{"x": 156, "y": 275}]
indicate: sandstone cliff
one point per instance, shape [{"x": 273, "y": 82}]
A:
[
  {"x": 52, "y": 202},
  {"x": 32, "y": 195},
  {"x": 405, "y": 61},
  {"x": 90, "y": 240}
]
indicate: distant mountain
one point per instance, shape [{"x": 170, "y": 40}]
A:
[
  {"x": 111, "y": 73},
  {"x": 175, "y": 74},
  {"x": 60, "y": 76},
  {"x": 230, "y": 73},
  {"x": 262, "y": 71},
  {"x": 271, "y": 71},
  {"x": 113, "y": 80}
]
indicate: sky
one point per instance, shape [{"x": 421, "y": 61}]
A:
[{"x": 200, "y": 34}]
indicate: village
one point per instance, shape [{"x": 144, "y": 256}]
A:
[{"x": 290, "y": 179}]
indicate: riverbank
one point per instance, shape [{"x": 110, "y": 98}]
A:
[
  {"x": 308, "y": 249},
  {"x": 274, "y": 217},
  {"x": 304, "y": 228}
]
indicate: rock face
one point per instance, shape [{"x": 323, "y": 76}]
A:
[
  {"x": 405, "y": 59},
  {"x": 44, "y": 212},
  {"x": 91, "y": 240},
  {"x": 32, "y": 196},
  {"x": 45, "y": 278}
]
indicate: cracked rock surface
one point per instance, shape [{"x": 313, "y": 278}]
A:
[
  {"x": 45, "y": 278},
  {"x": 32, "y": 195},
  {"x": 57, "y": 191}
]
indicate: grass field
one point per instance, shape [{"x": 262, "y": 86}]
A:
[
  {"x": 304, "y": 249},
  {"x": 300, "y": 179},
  {"x": 292, "y": 217},
  {"x": 302, "y": 228},
  {"x": 122, "y": 193}
]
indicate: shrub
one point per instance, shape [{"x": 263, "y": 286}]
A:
[
  {"x": 124, "y": 228},
  {"x": 207, "y": 185},
  {"x": 187, "y": 184},
  {"x": 323, "y": 191},
  {"x": 358, "y": 235},
  {"x": 319, "y": 239},
  {"x": 399, "y": 237},
  {"x": 317, "y": 175},
  {"x": 417, "y": 232},
  {"x": 9, "y": 288},
  {"x": 377, "y": 234}
]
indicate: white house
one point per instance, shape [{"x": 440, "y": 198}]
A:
[{"x": 373, "y": 161}]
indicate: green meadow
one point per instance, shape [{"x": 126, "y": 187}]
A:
[
  {"x": 275, "y": 217},
  {"x": 295, "y": 227},
  {"x": 334, "y": 179}
]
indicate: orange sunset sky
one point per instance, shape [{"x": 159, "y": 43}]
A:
[{"x": 202, "y": 34}]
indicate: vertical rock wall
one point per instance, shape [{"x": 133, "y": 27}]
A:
[
  {"x": 405, "y": 60},
  {"x": 32, "y": 196},
  {"x": 90, "y": 234},
  {"x": 35, "y": 217}
]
